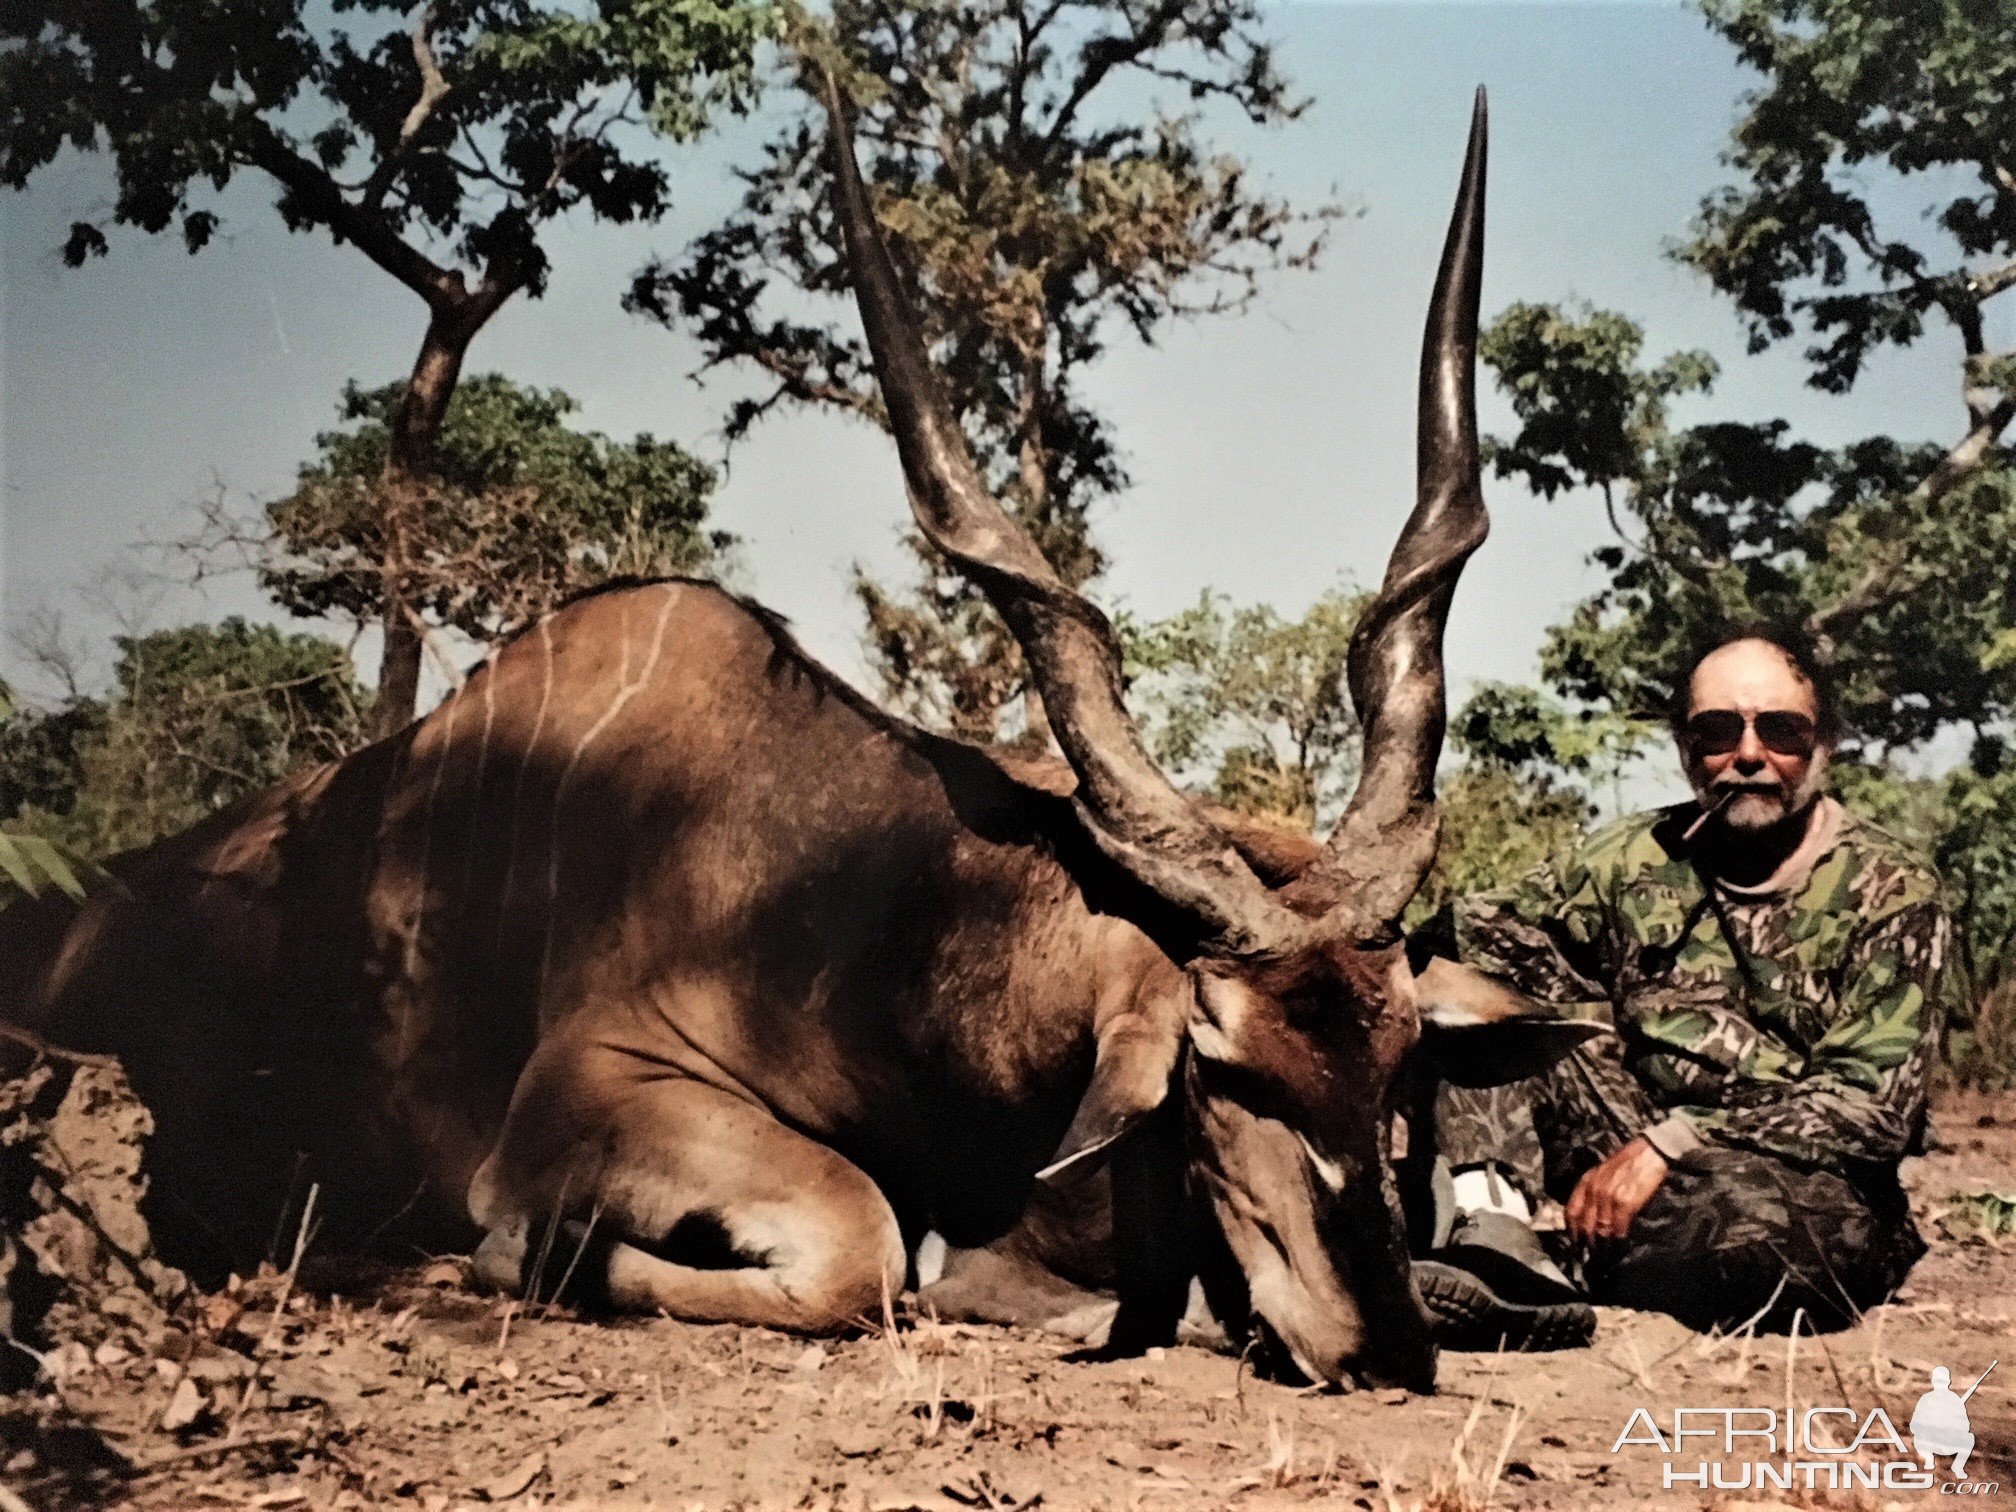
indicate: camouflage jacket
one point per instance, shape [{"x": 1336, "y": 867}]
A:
[{"x": 1801, "y": 1024}]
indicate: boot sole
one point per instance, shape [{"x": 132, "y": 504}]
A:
[{"x": 1466, "y": 1315}]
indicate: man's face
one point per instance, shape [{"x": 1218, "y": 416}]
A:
[{"x": 1750, "y": 722}]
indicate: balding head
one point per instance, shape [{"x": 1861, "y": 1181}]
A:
[{"x": 1752, "y": 673}]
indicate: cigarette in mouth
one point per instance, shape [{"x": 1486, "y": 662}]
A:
[{"x": 1709, "y": 811}]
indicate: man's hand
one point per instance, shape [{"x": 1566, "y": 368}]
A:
[{"x": 1607, "y": 1200}]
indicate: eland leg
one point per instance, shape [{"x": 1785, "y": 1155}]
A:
[
  {"x": 1105, "y": 1260},
  {"x": 655, "y": 1193}
]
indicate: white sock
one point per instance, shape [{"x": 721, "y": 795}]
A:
[{"x": 1481, "y": 1189}]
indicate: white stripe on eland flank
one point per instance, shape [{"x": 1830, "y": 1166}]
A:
[{"x": 628, "y": 689}]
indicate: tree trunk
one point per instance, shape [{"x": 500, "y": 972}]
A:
[
  {"x": 416, "y": 428},
  {"x": 398, "y": 673}
]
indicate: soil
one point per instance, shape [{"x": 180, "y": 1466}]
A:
[{"x": 334, "y": 1388}]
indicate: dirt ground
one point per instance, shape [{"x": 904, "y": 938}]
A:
[{"x": 407, "y": 1390}]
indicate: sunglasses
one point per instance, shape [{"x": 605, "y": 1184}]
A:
[{"x": 1716, "y": 732}]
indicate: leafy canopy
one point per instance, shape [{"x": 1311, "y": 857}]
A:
[
  {"x": 1873, "y": 192},
  {"x": 196, "y": 718},
  {"x": 1041, "y": 194},
  {"x": 1252, "y": 709},
  {"x": 524, "y": 511},
  {"x": 1723, "y": 523},
  {"x": 1505, "y": 727},
  {"x": 1848, "y": 88},
  {"x": 1248, "y": 706},
  {"x": 452, "y": 130}
]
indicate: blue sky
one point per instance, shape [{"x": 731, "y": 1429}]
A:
[{"x": 1271, "y": 452}]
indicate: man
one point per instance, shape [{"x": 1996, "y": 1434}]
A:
[{"x": 1771, "y": 965}]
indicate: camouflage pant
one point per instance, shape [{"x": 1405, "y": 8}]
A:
[{"x": 1730, "y": 1235}]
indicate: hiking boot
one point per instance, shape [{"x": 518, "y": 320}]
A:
[{"x": 1493, "y": 1287}]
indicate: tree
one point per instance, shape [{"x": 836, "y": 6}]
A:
[
  {"x": 1850, "y": 86},
  {"x": 1521, "y": 794},
  {"x": 1249, "y": 707},
  {"x": 442, "y": 149},
  {"x": 1723, "y": 523},
  {"x": 42, "y": 754},
  {"x": 1039, "y": 202},
  {"x": 1497, "y": 825},
  {"x": 1976, "y": 852},
  {"x": 1894, "y": 556},
  {"x": 197, "y": 718},
  {"x": 1507, "y": 727},
  {"x": 523, "y": 510},
  {"x": 1253, "y": 710},
  {"x": 29, "y": 864}
]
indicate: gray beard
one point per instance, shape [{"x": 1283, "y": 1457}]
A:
[{"x": 1763, "y": 807}]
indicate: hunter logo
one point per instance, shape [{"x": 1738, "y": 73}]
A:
[
  {"x": 1939, "y": 1423},
  {"x": 1820, "y": 1448}
]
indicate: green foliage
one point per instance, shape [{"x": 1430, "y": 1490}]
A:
[
  {"x": 42, "y": 752},
  {"x": 524, "y": 511},
  {"x": 1723, "y": 523},
  {"x": 197, "y": 718},
  {"x": 1896, "y": 557},
  {"x": 1520, "y": 795},
  {"x": 1976, "y": 851},
  {"x": 1041, "y": 201},
  {"x": 440, "y": 138},
  {"x": 1848, "y": 88},
  {"x": 29, "y": 864},
  {"x": 467, "y": 127},
  {"x": 1248, "y": 706},
  {"x": 1985, "y": 1214},
  {"x": 1588, "y": 410},
  {"x": 1911, "y": 808},
  {"x": 1498, "y": 823},
  {"x": 1252, "y": 709},
  {"x": 1520, "y": 730}
]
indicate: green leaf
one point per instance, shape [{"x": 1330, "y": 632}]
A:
[
  {"x": 34, "y": 865},
  {"x": 14, "y": 862},
  {"x": 1988, "y": 1213}
]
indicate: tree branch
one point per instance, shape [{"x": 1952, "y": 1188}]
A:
[
  {"x": 1108, "y": 53},
  {"x": 433, "y": 90},
  {"x": 1984, "y": 286},
  {"x": 1887, "y": 577},
  {"x": 1616, "y": 524},
  {"x": 317, "y": 196},
  {"x": 798, "y": 384}
]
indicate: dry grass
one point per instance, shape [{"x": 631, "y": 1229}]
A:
[
  {"x": 1474, "y": 1476},
  {"x": 1806, "y": 1501},
  {"x": 1984, "y": 1055},
  {"x": 1291, "y": 1466}
]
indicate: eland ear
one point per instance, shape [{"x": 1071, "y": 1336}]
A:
[
  {"x": 1130, "y": 1080},
  {"x": 1479, "y": 1033}
]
